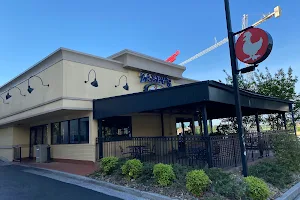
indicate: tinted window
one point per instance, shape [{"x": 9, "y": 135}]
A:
[{"x": 74, "y": 132}]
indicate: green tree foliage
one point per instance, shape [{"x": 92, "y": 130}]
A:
[{"x": 281, "y": 85}]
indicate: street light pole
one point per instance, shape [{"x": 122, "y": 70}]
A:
[{"x": 235, "y": 72}]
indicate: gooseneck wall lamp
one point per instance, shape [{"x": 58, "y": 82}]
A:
[
  {"x": 3, "y": 100},
  {"x": 95, "y": 82},
  {"x": 30, "y": 89},
  {"x": 8, "y": 96},
  {"x": 125, "y": 87}
]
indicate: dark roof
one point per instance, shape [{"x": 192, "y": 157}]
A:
[{"x": 187, "y": 98}]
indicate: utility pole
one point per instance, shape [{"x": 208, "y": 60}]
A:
[{"x": 235, "y": 72}]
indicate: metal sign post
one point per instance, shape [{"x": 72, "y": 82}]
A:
[{"x": 235, "y": 72}]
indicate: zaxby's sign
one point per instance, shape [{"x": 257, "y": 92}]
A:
[
  {"x": 155, "y": 81},
  {"x": 253, "y": 46}
]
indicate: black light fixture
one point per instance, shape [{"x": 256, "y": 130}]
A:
[
  {"x": 3, "y": 100},
  {"x": 93, "y": 83},
  {"x": 125, "y": 87},
  {"x": 8, "y": 96},
  {"x": 30, "y": 89}
]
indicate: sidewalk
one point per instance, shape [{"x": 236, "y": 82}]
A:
[
  {"x": 119, "y": 191},
  {"x": 72, "y": 168}
]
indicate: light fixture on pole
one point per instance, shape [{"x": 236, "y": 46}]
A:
[
  {"x": 250, "y": 52},
  {"x": 125, "y": 87},
  {"x": 8, "y": 96},
  {"x": 30, "y": 89},
  {"x": 93, "y": 83}
]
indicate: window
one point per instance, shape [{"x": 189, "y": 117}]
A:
[
  {"x": 84, "y": 129},
  {"x": 55, "y": 132},
  {"x": 116, "y": 128},
  {"x": 64, "y": 132},
  {"x": 70, "y": 132},
  {"x": 74, "y": 132}
]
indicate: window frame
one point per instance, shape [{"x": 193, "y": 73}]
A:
[{"x": 78, "y": 129}]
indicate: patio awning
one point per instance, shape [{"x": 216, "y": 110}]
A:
[{"x": 217, "y": 97}]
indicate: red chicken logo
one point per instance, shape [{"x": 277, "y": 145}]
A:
[{"x": 253, "y": 46}]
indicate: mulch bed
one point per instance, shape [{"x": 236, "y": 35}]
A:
[{"x": 176, "y": 190}]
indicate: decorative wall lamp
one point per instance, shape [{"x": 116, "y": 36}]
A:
[
  {"x": 30, "y": 89},
  {"x": 125, "y": 87},
  {"x": 8, "y": 96},
  {"x": 95, "y": 82},
  {"x": 3, "y": 100}
]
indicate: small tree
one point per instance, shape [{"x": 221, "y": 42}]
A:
[{"x": 281, "y": 85}]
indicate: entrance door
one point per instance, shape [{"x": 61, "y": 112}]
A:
[{"x": 38, "y": 135}]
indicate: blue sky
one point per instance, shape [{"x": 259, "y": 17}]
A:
[{"x": 30, "y": 30}]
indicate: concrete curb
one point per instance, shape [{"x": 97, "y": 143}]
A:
[
  {"x": 127, "y": 190},
  {"x": 291, "y": 194}
]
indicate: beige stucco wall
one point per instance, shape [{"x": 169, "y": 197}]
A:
[
  {"x": 21, "y": 137},
  {"x": 68, "y": 91},
  {"x": 6, "y": 142},
  {"x": 40, "y": 95},
  {"x": 73, "y": 151},
  {"x": 77, "y": 73},
  {"x": 144, "y": 125}
]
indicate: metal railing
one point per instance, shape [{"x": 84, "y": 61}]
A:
[{"x": 215, "y": 151}]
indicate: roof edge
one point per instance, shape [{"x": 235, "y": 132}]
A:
[{"x": 127, "y": 51}]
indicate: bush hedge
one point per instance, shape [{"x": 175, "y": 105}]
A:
[
  {"x": 108, "y": 164},
  {"x": 226, "y": 184},
  {"x": 147, "y": 173},
  {"x": 257, "y": 189},
  {"x": 132, "y": 168},
  {"x": 197, "y": 182},
  {"x": 272, "y": 172},
  {"x": 163, "y": 174},
  {"x": 287, "y": 150}
]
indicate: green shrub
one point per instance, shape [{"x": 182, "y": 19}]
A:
[
  {"x": 108, "y": 164},
  {"x": 181, "y": 171},
  {"x": 197, "y": 182},
  {"x": 226, "y": 184},
  {"x": 287, "y": 150},
  {"x": 163, "y": 174},
  {"x": 132, "y": 168},
  {"x": 147, "y": 172},
  {"x": 272, "y": 172},
  {"x": 257, "y": 189}
]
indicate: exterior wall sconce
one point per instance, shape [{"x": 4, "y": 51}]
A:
[
  {"x": 8, "y": 96},
  {"x": 125, "y": 87},
  {"x": 30, "y": 89},
  {"x": 3, "y": 100},
  {"x": 95, "y": 82}
]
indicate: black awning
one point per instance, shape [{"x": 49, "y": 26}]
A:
[{"x": 187, "y": 98}]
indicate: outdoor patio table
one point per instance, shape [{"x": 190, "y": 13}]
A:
[{"x": 137, "y": 150}]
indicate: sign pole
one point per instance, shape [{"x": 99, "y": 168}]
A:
[{"x": 235, "y": 72}]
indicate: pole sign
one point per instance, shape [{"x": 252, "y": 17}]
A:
[{"x": 253, "y": 46}]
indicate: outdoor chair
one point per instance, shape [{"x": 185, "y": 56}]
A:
[{"x": 122, "y": 151}]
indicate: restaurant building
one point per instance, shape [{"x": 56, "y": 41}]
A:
[
  {"x": 59, "y": 109},
  {"x": 69, "y": 99}
]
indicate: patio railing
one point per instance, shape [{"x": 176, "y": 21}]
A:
[{"x": 214, "y": 151}]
